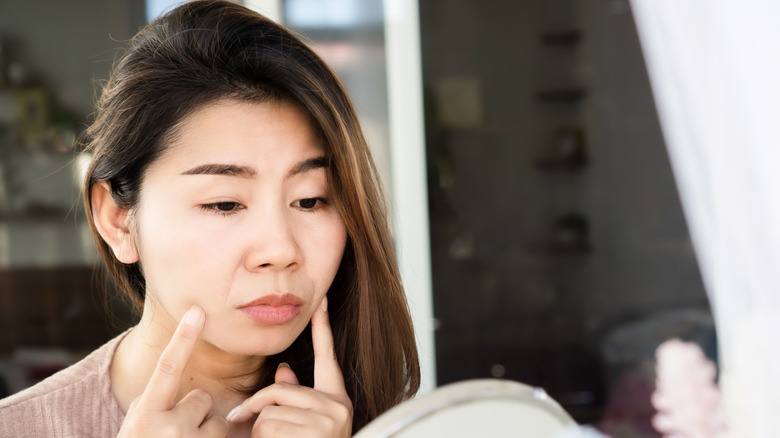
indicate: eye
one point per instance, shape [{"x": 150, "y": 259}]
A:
[
  {"x": 225, "y": 207},
  {"x": 309, "y": 203}
]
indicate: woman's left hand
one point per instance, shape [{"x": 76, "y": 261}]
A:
[{"x": 287, "y": 409}]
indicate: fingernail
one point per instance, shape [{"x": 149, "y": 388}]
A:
[
  {"x": 234, "y": 413},
  {"x": 325, "y": 304},
  {"x": 283, "y": 365},
  {"x": 192, "y": 316}
]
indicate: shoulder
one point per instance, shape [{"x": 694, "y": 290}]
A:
[{"x": 76, "y": 401}]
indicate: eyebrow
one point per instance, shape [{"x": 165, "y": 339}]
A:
[
  {"x": 307, "y": 165},
  {"x": 222, "y": 169},
  {"x": 249, "y": 172}
]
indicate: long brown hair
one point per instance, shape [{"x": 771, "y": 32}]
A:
[{"x": 208, "y": 50}]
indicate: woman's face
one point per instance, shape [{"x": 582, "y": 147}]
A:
[{"x": 236, "y": 217}]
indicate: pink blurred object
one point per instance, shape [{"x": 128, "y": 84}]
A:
[{"x": 686, "y": 397}]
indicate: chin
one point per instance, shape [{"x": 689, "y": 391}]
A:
[{"x": 261, "y": 342}]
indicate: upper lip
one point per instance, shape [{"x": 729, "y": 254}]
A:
[{"x": 276, "y": 300}]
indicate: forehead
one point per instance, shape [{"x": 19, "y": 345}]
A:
[{"x": 270, "y": 133}]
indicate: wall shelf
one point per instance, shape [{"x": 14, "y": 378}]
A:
[{"x": 561, "y": 95}]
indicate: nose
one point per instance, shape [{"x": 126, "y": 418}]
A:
[{"x": 272, "y": 245}]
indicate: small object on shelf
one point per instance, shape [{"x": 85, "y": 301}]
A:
[
  {"x": 562, "y": 38},
  {"x": 567, "y": 150},
  {"x": 570, "y": 234},
  {"x": 561, "y": 95}
]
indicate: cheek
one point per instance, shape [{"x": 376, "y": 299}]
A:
[
  {"x": 327, "y": 250},
  {"x": 180, "y": 263}
]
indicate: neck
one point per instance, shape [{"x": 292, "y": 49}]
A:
[{"x": 219, "y": 373}]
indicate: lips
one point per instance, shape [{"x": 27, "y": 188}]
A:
[{"x": 273, "y": 309}]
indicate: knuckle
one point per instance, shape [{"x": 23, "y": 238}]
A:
[
  {"x": 188, "y": 334},
  {"x": 281, "y": 387},
  {"x": 276, "y": 386},
  {"x": 343, "y": 413},
  {"x": 266, "y": 413},
  {"x": 330, "y": 424},
  {"x": 168, "y": 366},
  {"x": 201, "y": 396},
  {"x": 169, "y": 430},
  {"x": 298, "y": 388},
  {"x": 134, "y": 403},
  {"x": 133, "y": 424},
  {"x": 218, "y": 426},
  {"x": 267, "y": 428}
]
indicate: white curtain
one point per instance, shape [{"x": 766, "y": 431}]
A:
[{"x": 714, "y": 66}]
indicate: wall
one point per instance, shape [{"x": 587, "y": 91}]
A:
[
  {"x": 49, "y": 295},
  {"x": 68, "y": 45},
  {"x": 646, "y": 261},
  {"x": 519, "y": 292},
  {"x": 63, "y": 50}
]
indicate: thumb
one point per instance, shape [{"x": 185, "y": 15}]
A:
[{"x": 285, "y": 374}]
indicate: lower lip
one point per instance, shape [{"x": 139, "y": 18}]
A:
[{"x": 272, "y": 315}]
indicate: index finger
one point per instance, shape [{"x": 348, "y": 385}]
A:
[
  {"x": 160, "y": 392},
  {"x": 327, "y": 373}
]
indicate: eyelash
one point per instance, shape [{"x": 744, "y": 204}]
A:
[
  {"x": 235, "y": 206},
  {"x": 317, "y": 203},
  {"x": 215, "y": 207}
]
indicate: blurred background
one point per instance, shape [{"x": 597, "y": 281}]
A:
[{"x": 558, "y": 253}]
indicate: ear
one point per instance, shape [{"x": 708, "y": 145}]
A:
[{"x": 113, "y": 223}]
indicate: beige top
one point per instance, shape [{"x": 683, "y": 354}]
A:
[{"x": 76, "y": 402}]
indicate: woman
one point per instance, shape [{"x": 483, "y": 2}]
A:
[{"x": 233, "y": 199}]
